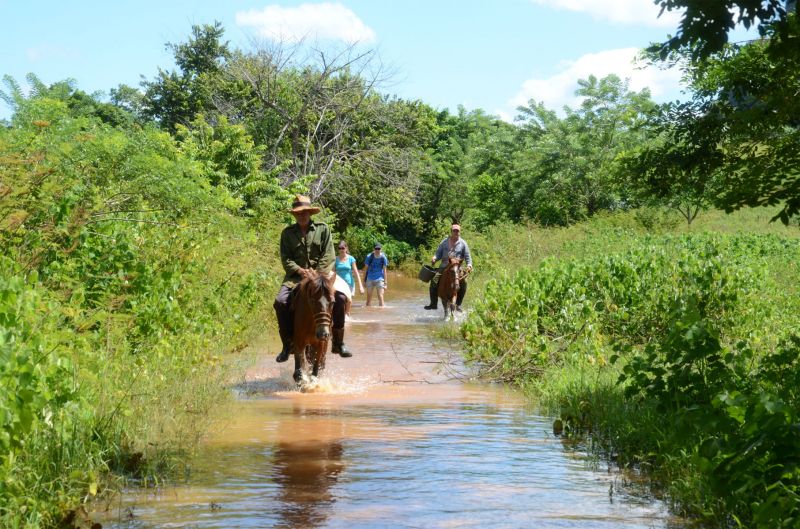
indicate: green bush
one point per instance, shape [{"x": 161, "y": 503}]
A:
[
  {"x": 691, "y": 327},
  {"x": 126, "y": 279},
  {"x": 581, "y": 307}
]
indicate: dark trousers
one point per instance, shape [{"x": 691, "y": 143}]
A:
[
  {"x": 285, "y": 316},
  {"x": 462, "y": 291}
]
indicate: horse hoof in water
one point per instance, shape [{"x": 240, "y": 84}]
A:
[
  {"x": 309, "y": 384},
  {"x": 299, "y": 377}
]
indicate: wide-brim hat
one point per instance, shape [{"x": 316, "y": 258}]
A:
[{"x": 303, "y": 203}]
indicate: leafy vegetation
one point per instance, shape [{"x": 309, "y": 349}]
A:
[
  {"x": 125, "y": 280},
  {"x": 138, "y": 254},
  {"x": 694, "y": 331},
  {"x": 735, "y": 142}
]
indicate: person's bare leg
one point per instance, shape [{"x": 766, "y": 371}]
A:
[
  {"x": 369, "y": 296},
  {"x": 380, "y": 297}
]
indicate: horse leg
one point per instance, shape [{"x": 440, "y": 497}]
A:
[
  {"x": 313, "y": 359},
  {"x": 301, "y": 365},
  {"x": 298, "y": 366},
  {"x": 451, "y": 305},
  {"x": 319, "y": 359}
]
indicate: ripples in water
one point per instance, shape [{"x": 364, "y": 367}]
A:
[{"x": 388, "y": 441}]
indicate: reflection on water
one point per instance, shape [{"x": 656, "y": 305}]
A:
[
  {"x": 305, "y": 473},
  {"x": 389, "y": 441}
]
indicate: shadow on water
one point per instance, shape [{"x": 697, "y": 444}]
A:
[{"x": 389, "y": 439}]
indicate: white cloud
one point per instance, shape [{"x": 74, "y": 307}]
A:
[
  {"x": 317, "y": 21},
  {"x": 559, "y": 89},
  {"x": 618, "y": 11}
]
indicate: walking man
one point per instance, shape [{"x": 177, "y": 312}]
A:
[{"x": 375, "y": 274}]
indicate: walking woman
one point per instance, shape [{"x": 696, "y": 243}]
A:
[{"x": 346, "y": 269}]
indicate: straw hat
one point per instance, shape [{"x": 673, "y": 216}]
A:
[{"x": 303, "y": 203}]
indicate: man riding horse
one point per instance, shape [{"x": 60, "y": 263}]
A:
[
  {"x": 452, "y": 246},
  {"x": 306, "y": 246}
]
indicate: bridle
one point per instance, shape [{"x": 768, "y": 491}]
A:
[
  {"x": 454, "y": 269},
  {"x": 321, "y": 317}
]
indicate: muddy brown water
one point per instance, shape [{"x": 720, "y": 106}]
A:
[{"x": 390, "y": 438}]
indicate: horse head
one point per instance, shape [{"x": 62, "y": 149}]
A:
[
  {"x": 317, "y": 291},
  {"x": 453, "y": 273},
  {"x": 449, "y": 284}
]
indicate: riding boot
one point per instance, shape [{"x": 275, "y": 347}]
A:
[
  {"x": 339, "y": 347},
  {"x": 434, "y": 300},
  {"x": 285, "y": 329},
  {"x": 286, "y": 340},
  {"x": 462, "y": 291}
]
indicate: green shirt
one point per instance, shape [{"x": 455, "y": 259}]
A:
[{"x": 313, "y": 251}]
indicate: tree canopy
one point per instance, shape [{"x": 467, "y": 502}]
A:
[{"x": 741, "y": 126}]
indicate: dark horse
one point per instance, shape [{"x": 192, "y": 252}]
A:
[
  {"x": 449, "y": 284},
  {"x": 313, "y": 311}
]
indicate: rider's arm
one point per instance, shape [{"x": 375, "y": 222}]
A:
[
  {"x": 467, "y": 255},
  {"x": 440, "y": 250},
  {"x": 328, "y": 255},
  {"x": 287, "y": 259}
]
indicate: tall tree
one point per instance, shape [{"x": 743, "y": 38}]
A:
[
  {"x": 567, "y": 171},
  {"x": 79, "y": 102},
  {"x": 302, "y": 108},
  {"x": 176, "y": 97},
  {"x": 469, "y": 156},
  {"x": 705, "y": 25},
  {"x": 744, "y": 104},
  {"x": 672, "y": 167},
  {"x": 379, "y": 187}
]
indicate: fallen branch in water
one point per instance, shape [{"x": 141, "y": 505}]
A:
[
  {"x": 402, "y": 364},
  {"x": 401, "y": 381}
]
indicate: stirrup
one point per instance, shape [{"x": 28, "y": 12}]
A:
[{"x": 430, "y": 307}]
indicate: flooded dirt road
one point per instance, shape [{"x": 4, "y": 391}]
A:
[{"x": 389, "y": 439}]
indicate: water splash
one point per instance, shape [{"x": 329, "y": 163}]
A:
[
  {"x": 334, "y": 383},
  {"x": 386, "y": 435}
]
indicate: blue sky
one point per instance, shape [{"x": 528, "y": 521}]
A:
[{"x": 490, "y": 54}]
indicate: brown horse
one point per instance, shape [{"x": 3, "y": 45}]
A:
[
  {"x": 313, "y": 310},
  {"x": 449, "y": 283}
]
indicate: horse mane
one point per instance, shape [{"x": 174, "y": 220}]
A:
[
  {"x": 313, "y": 284},
  {"x": 453, "y": 261}
]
